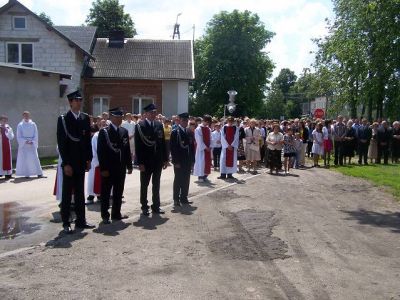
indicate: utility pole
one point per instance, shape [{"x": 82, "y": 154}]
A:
[{"x": 176, "y": 28}]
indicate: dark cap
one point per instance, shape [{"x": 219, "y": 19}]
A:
[
  {"x": 149, "y": 107},
  {"x": 116, "y": 112},
  {"x": 184, "y": 115},
  {"x": 74, "y": 95}
]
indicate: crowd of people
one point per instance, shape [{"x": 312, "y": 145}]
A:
[{"x": 109, "y": 146}]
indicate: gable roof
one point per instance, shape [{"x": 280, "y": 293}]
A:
[
  {"x": 29, "y": 69},
  {"x": 12, "y": 3},
  {"x": 143, "y": 59},
  {"x": 84, "y": 36}
]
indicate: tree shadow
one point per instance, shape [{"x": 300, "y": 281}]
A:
[
  {"x": 111, "y": 229},
  {"x": 64, "y": 240},
  {"x": 184, "y": 210},
  {"x": 385, "y": 220},
  {"x": 150, "y": 223}
]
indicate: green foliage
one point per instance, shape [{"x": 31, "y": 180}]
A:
[
  {"x": 230, "y": 56},
  {"x": 46, "y": 18},
  {"x": 284, "y": 82},
  {"x": 275, "y": 105},
  {"x": 109, "y": 15},
  {"x": 361, "y": 54}
]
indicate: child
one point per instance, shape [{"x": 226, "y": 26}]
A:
[
  {"x": 289, "y": 149},
  {"x": 298, "y": 142},
  {"x": 216, "y": 145}
]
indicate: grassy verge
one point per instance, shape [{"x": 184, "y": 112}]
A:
[
  {"x": 48, "y": 161},
  {"x": 380, "y": 175}
]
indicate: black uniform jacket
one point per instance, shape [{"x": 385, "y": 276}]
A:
[
  {"x": 150, "y": 148},
  {"x": 182, "y": 147},
  {"x": 113, "y": 150},
  {"x": 74, "y": 141}
]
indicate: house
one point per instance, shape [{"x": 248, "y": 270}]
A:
[
  {"x": 47, "y": 61},
  {"x": 309, "y": 108},
  {"x": 132, "y": 73}
]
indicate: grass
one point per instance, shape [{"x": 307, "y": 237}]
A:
[
  {"x": 379, "y": 175},
  {"x": 44, "y": 161}
]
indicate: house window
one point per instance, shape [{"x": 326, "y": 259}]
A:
[
  {"x": 20, "y": 54},
  {"x": 19, "y": 22},
  {"x": 100, "y": 105},
  {"x": 139, "y": 103}
]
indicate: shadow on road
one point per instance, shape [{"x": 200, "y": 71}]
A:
[
  {"x": 111, "y": 229},
  {"x": 387, "y": 220},
  {"x": 150, "y": 223},
  {"x": 65, "y": 241},
  {"x": 184, "y": 210}
]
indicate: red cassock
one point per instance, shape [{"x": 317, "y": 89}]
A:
[
  {"x": 207, "y": 154},
  {"x": 5, "y": 145},
  {"x": 97, "y": 181},
  {"x": 230, "y": 137}
]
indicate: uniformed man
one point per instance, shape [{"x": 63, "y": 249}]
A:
[
  {"x": 151, "y": 155},
  {"x": 114, "y": 153},
  {"x": 182, "y": 152},
  {"x": 73, "y": 138}
]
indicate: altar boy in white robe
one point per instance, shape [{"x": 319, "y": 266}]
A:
[
  {"x": 6, "y": 135},
  {"x": 28, "y": 163},
  {"x": 230, "y": 144}
]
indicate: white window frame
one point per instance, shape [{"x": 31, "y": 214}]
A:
[
  {"x": 101, "y": 98},
  {"x": 13, "y": 23},
  {"x": 140, "y": 98},
  {"x": 20, "y": 52}
]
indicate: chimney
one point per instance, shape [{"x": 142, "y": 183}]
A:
[{"x": 116, "y": 39}]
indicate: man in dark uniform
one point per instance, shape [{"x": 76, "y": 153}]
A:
[
  {"x": 384, "y": 138},
  {"x": 152, "y": 157},
  {"x": 73, "y": 139},
  {"x": 114, "y": 153},
  {"x": 182, "y": 152},
  {"x": 364, "y": 135}
]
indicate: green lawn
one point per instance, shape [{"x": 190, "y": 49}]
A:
[
  {"x": 380, "y": 175},
  {"x": 48, "y": 161}
]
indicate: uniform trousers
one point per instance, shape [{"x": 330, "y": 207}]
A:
[
  {"x": 116, "y": 182},
  {"x": 152, "y": 172},
  {"x": 73, "y": 184},
  {"x": 181, "y": 183}
]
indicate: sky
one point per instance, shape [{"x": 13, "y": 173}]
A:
[{"x": 294, "y": 22}]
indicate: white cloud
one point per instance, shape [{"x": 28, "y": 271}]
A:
[{"x": 295, "y": 22}]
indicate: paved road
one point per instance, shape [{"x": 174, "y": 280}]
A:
[{"x": 318, "y": 236}]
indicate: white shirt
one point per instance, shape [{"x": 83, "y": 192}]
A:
[
  {"x": 76, "y": 115},
  {"x": 215, "y": 137}
]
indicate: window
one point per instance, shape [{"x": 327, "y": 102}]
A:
[
  {"x": 19, "y": 23},
  {"x": 139, "y": 103},
  {"x": 100, "y": 105},
  {"x": 20, "y": 54}
]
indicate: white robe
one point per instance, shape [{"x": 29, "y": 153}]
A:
[
  {"x": 59, "y": 180},
  {"x": 10, "y": 136},
  {"x": 28, "y": 163},
  {"x": 200, "y": 146},
  {"x": 235, "y": 144},
  {"x": 131, "y": 132},
  {"x": 94, "y": 164}
]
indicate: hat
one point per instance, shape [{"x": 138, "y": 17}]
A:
[
  {"x": 149, "y": 107},
  {"x": 74, "y": 95},
  {"x": 116, "y": 112},
  {"x": 184, "y": 115}
]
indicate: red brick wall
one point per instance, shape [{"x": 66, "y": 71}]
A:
[{"x": 121, "y": 92}]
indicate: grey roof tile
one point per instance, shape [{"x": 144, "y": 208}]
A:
[
  {"x": 81, "y": 35},
  {"x": 144, "y": 59}
]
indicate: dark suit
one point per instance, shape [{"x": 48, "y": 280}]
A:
[
  {"x": 182, "y": 152},
  {"x": 364, "y": 135},
  {"x": 114, "y": 155},
  {"x": 384, "y": 138},
  {"x": 74, "y": 145},
  {"x": 150, "y": 150}
]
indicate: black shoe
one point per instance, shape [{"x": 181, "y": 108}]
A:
[
  {"x": 90, "y": 198},
  {"x": 221, "y": 177},
  {"x": 119, "y": 218},
  {"x": 8, "y": 177},
  {"x": 106, "y": 221},
  {"x": 41, "y": 176},
  {"x": 85, "y": 226},
  {"x": 177, "y": 203},
  {"x": 67, "y": 229},
  {"x": 145, "y": 212},
  {"x": 187, "y": 202},
  {"x": 230, "y": 176},
  {"x": 158, "y": 211}
]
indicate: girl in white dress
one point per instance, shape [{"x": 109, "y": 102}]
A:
[{"x": 318, "y": 144}]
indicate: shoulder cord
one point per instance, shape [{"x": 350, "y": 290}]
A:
[
  {"x": 180, "y": 140},
  {"x": 109, "y": 142},
  {"x": 145, "y": 140},
  {"x": 74, "y": 139}
]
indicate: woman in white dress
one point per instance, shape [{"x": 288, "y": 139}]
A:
[
  {"x": 253, "y": 155},
  {"x": 275, "y": 144},
  {"x": 318, "y": 144}
]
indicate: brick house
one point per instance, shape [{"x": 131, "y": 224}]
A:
[{"x": 132, "y": 73}]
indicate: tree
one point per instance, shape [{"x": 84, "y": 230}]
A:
[
  {"x": 230, "y": 56},
  {"x": 274, "y": 104},
  {"x": 46, "y": 18},
  {"x": 284, "y": 82},
  {"x": 109, "y": 15}
]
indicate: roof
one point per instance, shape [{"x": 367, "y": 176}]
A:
[
  {"x": 45, "y": 72},
  {"x": 11, "y": 3},
  {"x": 144, "y": 59},
  {"x": 84, "y": 36}
]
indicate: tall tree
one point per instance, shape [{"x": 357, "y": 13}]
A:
[
  {"x": 109, "y": 15},
  {"x": 46, "y": 18},
  {"x": 231, "y": 56},
  {"x": 284, "y": 82}
]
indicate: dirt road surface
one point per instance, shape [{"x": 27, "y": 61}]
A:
[{"x": 318, "y": 236}]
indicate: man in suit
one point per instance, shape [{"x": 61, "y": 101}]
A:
[
  {"x": 384, "y": 138},
  {"x": 182, "y": 152},
  {"x": 152, "y": 157},
  {"x": 364, "y": 135},
  {"x": 74, "y": 145},
  {"x": 114, "y": 153}
]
